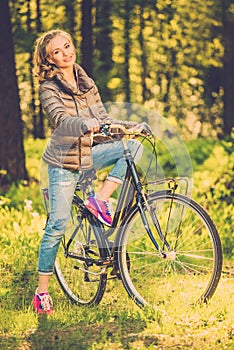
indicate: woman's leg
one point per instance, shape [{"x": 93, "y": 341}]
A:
[
  {"x": 107, "y": 189},
  {"x": 104, "y": 155},
  {"x": 107, "y": 154},
  {"x": 62, "y": 184},
  {"x": 43, "y": 284}
]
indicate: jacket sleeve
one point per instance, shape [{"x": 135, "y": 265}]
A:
[
  {"x": 99, "y": 111},
  {"x": 54, "y": 107}
]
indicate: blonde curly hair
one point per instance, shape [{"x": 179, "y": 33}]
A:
[{"x": 43, "y": 69}]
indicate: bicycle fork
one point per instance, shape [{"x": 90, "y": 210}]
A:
[
  {"x": 140, "y": 197},
  {"x": 156, "y": 224}
]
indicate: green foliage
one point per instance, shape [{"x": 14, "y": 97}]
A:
[
  {"x": 34, "y": 150},
  {"x": 200, "y": 150},
  {"x": 21, "y": 226},
  {"x": 214, "y": 188}
]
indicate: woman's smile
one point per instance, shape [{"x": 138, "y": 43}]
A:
[{"x": 68, "y": 59}]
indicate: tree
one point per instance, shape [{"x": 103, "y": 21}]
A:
[
  {"x": 104, "y": 46},
  {"x": 70, "y": 18},
  {"x": 143, "y": 57},
  {"x": 40, "y": 128},
  {"x": 38, "y": 119},
  {"x": 228, "y": 22},
  {"x": 12, "y": 156},
  {"x": 86, "y": 34},
  {"x": 26, "y": 26},
  {"x": 127, "y": 48}
]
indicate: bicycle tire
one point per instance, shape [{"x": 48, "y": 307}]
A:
[
  {"x": 187, "y": 274},
  {"x": 82, "y": 282}
]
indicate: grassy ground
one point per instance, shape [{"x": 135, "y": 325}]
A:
[{"x": 117, "y": 323}]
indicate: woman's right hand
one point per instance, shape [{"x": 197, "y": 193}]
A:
[{"x": 91, "y": 125}]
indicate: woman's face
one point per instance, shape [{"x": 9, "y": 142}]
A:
[{"x": 61, "y": 52}]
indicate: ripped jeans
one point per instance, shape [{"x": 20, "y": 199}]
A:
[{"x": 62, "y": 184}]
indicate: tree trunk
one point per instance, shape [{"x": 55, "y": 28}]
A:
[
  {"x": 32, "y": 104},
  {"x": 127, "y": 12},
  {"x": 70, "y": 23},
  {"x": 86, "y": 34},
  {"x": 104, "y": 46},
  {"x": 40, "y": 124},
  {"x": 144, "y": 64},
  {"x": 12, "y": 156},
  {"x": 228, "y": 117}
]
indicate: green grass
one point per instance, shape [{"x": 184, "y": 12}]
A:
[{"x": 117, "y": 323}]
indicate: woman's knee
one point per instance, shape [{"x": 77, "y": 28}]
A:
[{"x": 57, "y": 225}]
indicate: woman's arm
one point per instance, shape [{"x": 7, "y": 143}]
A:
[{"x": 57, "y": 113}]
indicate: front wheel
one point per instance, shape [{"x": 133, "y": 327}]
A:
[
  {"x": 81, "y": 279},
  {"x": 188, "y": 271}
]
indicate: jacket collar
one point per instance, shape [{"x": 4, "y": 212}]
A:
[{"x": 85, "y": 83}]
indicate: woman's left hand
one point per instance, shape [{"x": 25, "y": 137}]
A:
[{"x": 142, "y": 127}]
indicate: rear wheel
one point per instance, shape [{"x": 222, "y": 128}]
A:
[
  {"x": 81, "y": 279},
  {"x": 186, "y": 272}
]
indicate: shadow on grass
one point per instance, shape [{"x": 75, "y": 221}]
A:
[{"x": 51, "y": 336}]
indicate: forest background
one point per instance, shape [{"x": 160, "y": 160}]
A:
[{"x": 175, "y": 57}]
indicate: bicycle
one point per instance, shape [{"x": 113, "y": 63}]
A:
[{"x": 165, "y": 243}]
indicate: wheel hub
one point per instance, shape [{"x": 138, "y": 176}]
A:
[{"x": 170, "y": 255}]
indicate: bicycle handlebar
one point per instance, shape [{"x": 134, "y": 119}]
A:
[
  {"x": 115, "y": 130},
  {"x": 112, "y": 130}
]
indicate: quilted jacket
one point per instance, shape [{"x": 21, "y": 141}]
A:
[{"x": 67, "y": 108}]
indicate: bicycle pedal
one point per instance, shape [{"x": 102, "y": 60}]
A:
[{"x": 115, "y": 273}]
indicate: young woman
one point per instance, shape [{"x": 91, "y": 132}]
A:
[{"x": 72, "y": 103}]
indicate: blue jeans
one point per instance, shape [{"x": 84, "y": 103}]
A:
[{"x": 62, "y": 183}]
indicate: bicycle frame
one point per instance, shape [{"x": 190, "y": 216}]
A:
[
  {"x": 132, "y": 181},
  {"x": 131, "y": 189}
]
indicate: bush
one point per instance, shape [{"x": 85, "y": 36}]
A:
[{"x": 214, "y": 188}]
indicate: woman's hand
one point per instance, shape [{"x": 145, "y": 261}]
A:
[
  {"x": 91, "y": 125},
  {"x": 142, "y": 128}
]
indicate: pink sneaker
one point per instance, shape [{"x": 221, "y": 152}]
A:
[
  {"x": 42, "y": 303},
  {"x": 100, "y": 209}
]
